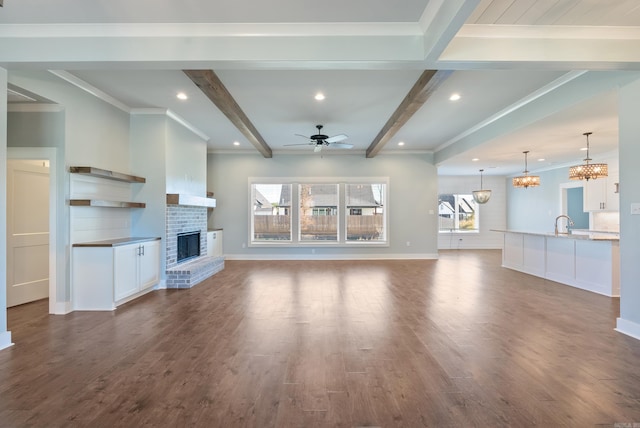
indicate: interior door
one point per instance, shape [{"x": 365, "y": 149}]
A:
[{"x": 27, "y": 231}]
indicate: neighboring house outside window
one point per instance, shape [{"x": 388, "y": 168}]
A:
[
  {"x": 458, "y": 213},
  {"x": 321, "y": 213}
]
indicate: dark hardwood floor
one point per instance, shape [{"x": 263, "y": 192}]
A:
[{"x": 458, "y": 342}]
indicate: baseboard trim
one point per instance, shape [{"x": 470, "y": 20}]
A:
[
  {"x": 627, "y": 327},
  {"x": 293, "y": 257},
  {"x": 5, "y": 340},
  {"x": 62, "y": 308}
]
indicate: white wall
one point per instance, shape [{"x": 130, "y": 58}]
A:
[
  {"x": 95, "y": 134},
  {"x": 629, "y": 321},
  {"x": 412, "y": 193},
  {"x": 492, "y": 214},
  {"x": 5, "y": 334},
  {"x": 186, "y": 161}
]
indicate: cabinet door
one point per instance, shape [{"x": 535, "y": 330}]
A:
[
  {"x": 149, "y": 267},
  {"x": 594, "y": 195},
  {"x": 613, "y": 198},
  {"x": 219, "y": 252},
  {"x": 125, "y": 269}
]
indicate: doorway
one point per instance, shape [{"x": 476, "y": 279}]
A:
[
  {"x": 31, "y": 226},
  {"x": 572, "y": 204},
  {"x": 27, "y": 231}
]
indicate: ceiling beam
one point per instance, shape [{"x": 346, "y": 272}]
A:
[
  {"x": 426, "y": 85},
  {"x": 214, "y": 89}
]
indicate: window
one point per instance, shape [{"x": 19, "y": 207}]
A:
[
  {"x": 365, "y": 208},
  {"x": 318, "y": 211},
  {"x": 457, "y": 213},
  {"x": 271, "y": 216}
]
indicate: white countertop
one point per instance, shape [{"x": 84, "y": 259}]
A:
[{"x": 584, "y": 234}]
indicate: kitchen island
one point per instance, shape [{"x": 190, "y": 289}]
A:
[{"x": 587, "y": 260}]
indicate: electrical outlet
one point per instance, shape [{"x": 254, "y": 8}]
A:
[
  {"x": 244, "y": 245},
  {"x": 408, "y": 243},
  {"x": 635, "y": 209}
]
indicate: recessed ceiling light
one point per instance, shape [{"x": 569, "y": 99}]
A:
[
  {"x": 475, "y": 160},
  {"x": 235, "y": 143},
  {"x": 181, "y": 96},
  {"x": 541, "y": 160},
  {"x": 583, "y": 149},
  {"x": 454, "y": 97},
  {"x": 319, "y": 96},
  {"x": 401, "y": 143}
]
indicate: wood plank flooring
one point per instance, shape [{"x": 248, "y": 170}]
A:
[{"x": 458, "y": 342}]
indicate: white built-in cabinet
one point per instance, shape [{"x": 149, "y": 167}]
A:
[
  {"x": 136, "y": 268},
  {"x": 602, "y": 194},
  {"x": 108, "y": 273},
  {"x": 214, "y": 243}
]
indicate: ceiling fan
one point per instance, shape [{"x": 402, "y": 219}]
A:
[{"x": 319, "y": 140}]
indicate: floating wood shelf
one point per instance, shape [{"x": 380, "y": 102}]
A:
[
  {"x": 103, "y": 173},
  {"x": 104, "y": 204}
]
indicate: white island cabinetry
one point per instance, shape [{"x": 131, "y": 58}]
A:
[
  {"x": 589, "y": 261},
  {"x": 109, "y": 273}
]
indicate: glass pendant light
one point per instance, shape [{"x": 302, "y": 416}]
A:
[
  {"x": 588, "y": 171},
  {"x": 481, "y": 196},
  {"x": 526, "y": 180}
]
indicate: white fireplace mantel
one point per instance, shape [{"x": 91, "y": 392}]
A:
[{"x": 190, "y": 200}]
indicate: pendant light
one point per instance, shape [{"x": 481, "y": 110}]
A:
[
  {"x": 481, "y": 196},
  {"x": 526, "y": 180},
  {"x": 588, "y": 171}
]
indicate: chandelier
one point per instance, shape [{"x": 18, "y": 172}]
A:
[
  {"x": 588, "y": 171},
  {"x": 526, "y": 180},
  {"x": 481, "y": 196}
]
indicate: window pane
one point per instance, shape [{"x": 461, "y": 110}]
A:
[
  {"x": 457, "y": 213},
  {"x": 271, "y": 220},
  {"x": 365, "y": 212},
  {"x": 318, "y": 212}
]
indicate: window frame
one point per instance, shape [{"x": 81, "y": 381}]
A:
[
  {"x": 456, "y": 215},
  {"x": 295, "y": 182}
]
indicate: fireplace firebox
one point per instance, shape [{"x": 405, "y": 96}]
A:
[{"x": 188, "y": 246}]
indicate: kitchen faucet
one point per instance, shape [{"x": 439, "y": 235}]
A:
[{"x": 569, "y": 222}]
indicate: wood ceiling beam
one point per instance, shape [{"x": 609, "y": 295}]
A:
[
  {"x": 424, "y": 87},
  {"x": 214, "y": 89}
]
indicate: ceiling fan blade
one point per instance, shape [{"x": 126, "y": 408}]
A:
[
  {"x": 341, "y": 145},
  {"x": 337, "y": 138},
  {"x": 303, "y": 136},
  {"x": 301, "y": 144}
]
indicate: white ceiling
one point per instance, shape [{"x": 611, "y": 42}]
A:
[{"x": 514, "y": 72}]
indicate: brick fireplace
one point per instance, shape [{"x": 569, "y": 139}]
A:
[{"x": 182, "y": 217}]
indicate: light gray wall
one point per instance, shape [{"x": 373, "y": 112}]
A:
[
  {"x": 186, "y": 161},
  {"x": 492, "y": 214},
  {"x": 412, "y": 194},
  {"x": 148, "y": 157},
  {"x": 629, "y": 193},
  {"x": 534, "y": 209}
]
